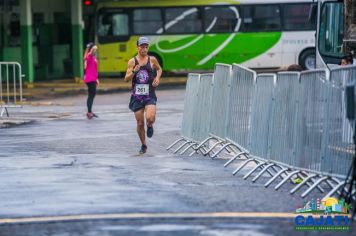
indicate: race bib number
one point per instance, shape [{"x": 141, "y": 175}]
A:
[{"x": 142, "y": 89}]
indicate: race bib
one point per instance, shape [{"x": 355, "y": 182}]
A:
[{"x": 142, "y": 89}]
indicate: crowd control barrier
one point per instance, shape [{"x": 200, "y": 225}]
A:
[
  {"x": 10, "y": 86},
  {"x": 291, "y": 125}
]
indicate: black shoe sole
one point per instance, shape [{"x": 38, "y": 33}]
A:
[{"x": 149, "y": 134}]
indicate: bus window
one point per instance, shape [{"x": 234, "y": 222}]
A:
[
  {"x": 147, "y": 21},
  {"x": 261, "y": 18},
  {"x": 298, "y": 17},
  {"x": 183, "y": 20},
  {"x": 221, "y": 19},
  {"x": 113, "y": 24}
]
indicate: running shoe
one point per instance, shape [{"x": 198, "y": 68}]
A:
[
  {"x": 95, "y": 115},
  {"x": 89, "y": 115},
  {"x": 143, "y": 149},
  {"x": 150, "y": 131}
]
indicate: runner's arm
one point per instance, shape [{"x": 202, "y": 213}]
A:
[
  {"x": 158, "y": 68},
  {"x": 129, "y": 73}
]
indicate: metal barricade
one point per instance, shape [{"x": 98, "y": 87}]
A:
[
  {"x": 219, "y": 105},
  {"x": 240, "y": 105},
  {"x": 310, "y": 128},
  {"x": 285, "y": 113},
  {"x": 219, "y": 109},
  {"x": 312, "y": 96},
  {"x": 277, "y": 148},
  {"x": 261, "y": 118},
  {"x": 190, "y": 102},
  {"x": 283, "y": 131},
  {"x": 339, "y": 147},
  {"x": 261, "y": 115},
  {"x": 10, "y": 86},
  {"x": 201, "y": 116}
]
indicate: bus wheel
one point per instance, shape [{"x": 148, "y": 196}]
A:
[{"x": 307, "y": 59}]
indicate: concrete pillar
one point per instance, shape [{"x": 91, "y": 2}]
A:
[
  {"x": 26, "y": 39},
  {"x": 77, "y": 39}
]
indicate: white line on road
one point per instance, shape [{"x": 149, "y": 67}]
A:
[{"x": 147, "y": 216}]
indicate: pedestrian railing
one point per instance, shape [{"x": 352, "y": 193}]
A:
[
  {"x": 10, "y": 86},
  {"x": 290, "y": 124}
]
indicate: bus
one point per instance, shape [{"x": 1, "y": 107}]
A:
[
  {"x": 336, "y": 31},
  {"x": 195, "y": 34}
]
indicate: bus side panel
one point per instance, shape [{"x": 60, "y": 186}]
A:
[
  {"x": 113, "y": 57},
  {"x": 197, "y": 52},
  {"x": 293, "y": 43},
  {"x": 259, "y": 49}
]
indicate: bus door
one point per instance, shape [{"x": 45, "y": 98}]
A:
[{"x": 113, "y": 34}]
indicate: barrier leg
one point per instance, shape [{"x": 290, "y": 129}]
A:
[
  {"x": 229, "y": 149},
  {"x": 253, "y": 170},
  {"x": 234, "y": 158},
  {"x": 212, "y": 147},
  {"x": 275, "y": 177},
  {"x": 243, "y": 165},
  {"x": 201, "y": 149},
  {"x": 174, "y": 143},
  {"x": 262, "y": 171},
  {"x": 286, "y": 179},
  {"x": 314, "y": 186},
  {"x": 336, "y": 188},
  {"x": 191, "y": 145},
  {"x": 203, "y": 143},
  {"x": 221, "y": 149},
  {"x": 276, "y": 171},
  {"x": 181, "y": 146},
  {"x": 305, "y": 180}
]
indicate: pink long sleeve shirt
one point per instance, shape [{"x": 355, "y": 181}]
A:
[{"x": 91, "y": 72}]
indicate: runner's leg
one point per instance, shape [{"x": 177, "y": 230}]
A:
[
  {"x": 150, "y": 115},
  {"x": 150, "y": 119},
  {"x": 91, "y": 95},
  {"x": 140, "y": 119}
]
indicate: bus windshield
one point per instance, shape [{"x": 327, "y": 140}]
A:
[{"x": 331, "y": 29}]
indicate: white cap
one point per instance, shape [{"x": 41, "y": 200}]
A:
[{"x": 143, "y": 40}]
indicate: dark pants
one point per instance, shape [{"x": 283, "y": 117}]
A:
[{"x": 91, "y": 95}]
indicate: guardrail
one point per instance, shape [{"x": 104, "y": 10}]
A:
[
  {"x": 10, "y": 86},
  {"x": 290, "y": 124}
]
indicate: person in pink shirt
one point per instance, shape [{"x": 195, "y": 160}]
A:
[{"x": 91, "y": 76}]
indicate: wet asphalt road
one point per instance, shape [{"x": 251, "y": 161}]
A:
[{"x": 63, "y": 164}]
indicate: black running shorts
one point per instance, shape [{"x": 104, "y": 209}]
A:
[{"x": 136, "y": 105}]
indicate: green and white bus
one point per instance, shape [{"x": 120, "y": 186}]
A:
[{"x": 196, "y": 34}]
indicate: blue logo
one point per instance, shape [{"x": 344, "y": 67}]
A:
[{"x": 327, "y": 214}]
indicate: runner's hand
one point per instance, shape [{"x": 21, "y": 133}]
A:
[
  {"x": 97, "y": 83},
  {"x": 155, "y": 82},
  {"x": 136, "y": 68}
]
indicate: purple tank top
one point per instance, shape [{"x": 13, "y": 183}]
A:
[{"x": 144, "y": 76}]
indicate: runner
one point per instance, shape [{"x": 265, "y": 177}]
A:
[{"x": 143, "y": 97}]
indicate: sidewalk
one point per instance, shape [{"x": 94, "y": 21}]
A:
[
  {"x": 45, "y": 90},
  {"x": 42, "y": 94}
]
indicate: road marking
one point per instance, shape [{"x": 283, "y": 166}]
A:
[{"x": 147, "y": 216}]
